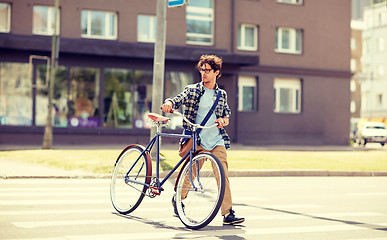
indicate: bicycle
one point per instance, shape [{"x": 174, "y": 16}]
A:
[{"x": 199, "y": 186}]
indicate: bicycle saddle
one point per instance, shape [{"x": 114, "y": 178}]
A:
[{"x": 158, "y": 118}]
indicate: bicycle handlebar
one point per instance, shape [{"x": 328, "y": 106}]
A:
[{"x": 174, "y": 111}]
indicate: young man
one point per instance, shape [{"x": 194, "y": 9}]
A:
[{"x": 198, "y": 100}]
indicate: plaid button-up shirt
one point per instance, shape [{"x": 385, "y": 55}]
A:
[{"x": 190, "y": 99}]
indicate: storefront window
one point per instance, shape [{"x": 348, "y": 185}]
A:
[
  {"x": 118, "y": 97},
  {"x": 142, "y": 98},
  {"x": 175, "y": 82},
  {"x": 15, "y": 94},
  {"x": 60, "y": 107},
  {"x": 83, "y": 98}
]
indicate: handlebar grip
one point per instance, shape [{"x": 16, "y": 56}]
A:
[{"x": 172, "y": 110}]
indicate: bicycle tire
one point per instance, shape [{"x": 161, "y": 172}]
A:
[
  {"x": 134, "y": 164},
  {"x": 197, "y": 207}
]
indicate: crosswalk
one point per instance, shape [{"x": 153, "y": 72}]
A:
[{"x": 80, "y": 209}]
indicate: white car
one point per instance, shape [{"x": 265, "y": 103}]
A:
[{"x": 372, "y": 132}]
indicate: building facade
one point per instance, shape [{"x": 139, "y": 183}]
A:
[
  {"x": 358, "y": 76},
  {"x": 374, "y": 65},
  {"x": 286, "y": 68}
]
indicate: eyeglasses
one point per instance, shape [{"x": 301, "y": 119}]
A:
[{"x": 207, "y": 71}]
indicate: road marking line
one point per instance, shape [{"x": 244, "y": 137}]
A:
[
  {"x": 382, "y": 238},
  {"x": 50, "y": 189},
  {"x": 53, "y": 194},
  {"x": 210, "y": 233},
  {"x": 368, "y": 194},
  {"x": 88, "y": 198},
  {"x": 138, "y": 219},
  {"x": 52, "y": 202},
  {"x": 123, "y": 220},
  {"x": 290, "y": 206}
]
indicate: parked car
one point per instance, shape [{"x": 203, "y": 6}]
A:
[{"x": 372, "y": 132}]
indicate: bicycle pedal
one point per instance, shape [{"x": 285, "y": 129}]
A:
[{"x": 155, "y": 192}]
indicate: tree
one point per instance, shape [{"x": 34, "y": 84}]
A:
[{"x": 48, "y": 134}]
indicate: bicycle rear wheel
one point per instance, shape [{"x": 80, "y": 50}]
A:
[
  {"x": 132, "y": 171},
  {"x": 197, "y": 205}
]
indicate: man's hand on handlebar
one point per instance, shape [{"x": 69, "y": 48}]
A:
[
  {"x": 222, "y": 122},
  {"x": 167, "y": 107}
]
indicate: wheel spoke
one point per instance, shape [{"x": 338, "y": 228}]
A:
[
  {"x": 201, "y": 203},
  {"x": 126, "y": 194}
]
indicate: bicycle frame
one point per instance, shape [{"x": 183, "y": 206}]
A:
[{"x": 156, "y": 139}]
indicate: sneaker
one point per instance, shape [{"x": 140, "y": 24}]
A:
[
  {"x": 231, "y": 219},
  {"x": 174, "y": 205}
]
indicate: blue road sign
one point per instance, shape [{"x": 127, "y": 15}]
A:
[{"x": 176, "y": 3}]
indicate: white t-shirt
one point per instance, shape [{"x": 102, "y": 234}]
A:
[{"x": 210, "y": 138}]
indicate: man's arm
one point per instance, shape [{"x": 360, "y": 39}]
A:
[
  {"x": 175, "y": 102},
  {"x": 225, "y": 119}
]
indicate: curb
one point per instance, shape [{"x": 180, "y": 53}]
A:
[
  {"x": 304, "y": 173},
  {"x": 233, "y": 173}
]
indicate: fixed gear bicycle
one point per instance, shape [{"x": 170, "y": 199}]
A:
[{"x": 199, "y": 187}]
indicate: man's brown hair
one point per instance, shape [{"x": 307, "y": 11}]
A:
[{"x": 214, "y": 61}]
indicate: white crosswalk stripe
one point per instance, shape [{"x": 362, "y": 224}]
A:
[
  {"x": 206, "y": 234},
  {"x": 62, "y": 208},
  {"x": 382, "y": 238},
  {"x": 37, "y": 224}
]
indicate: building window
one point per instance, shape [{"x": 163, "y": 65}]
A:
[
  {"x": 142, "y": 90},
  {"x": 297, "y": 2},
  {"x": 380, "y": 44},
  {"x": 119, "y": 98},
  {"x": 128, "y": 96},
  {"x": 98, "y": 24},
  {"x": 248, "y": 37},
  {"x": 288, "y": 40},
  {"x": 353, "y": 86},
  {"x": 84, "y": 97},
  {"x": 16, "y": 94},
  {"x": 379, "y": 99},
  {"x": 175, "y": 82},
  {"x": 146, "y": 28},
  {"x": 247, "y": 91},
  {"x": 380, "y": 70},
  {"x": 44, "y": 21},
  {"x": 60, "y": 97},
  {"x": 5, "y": 17},
  {"x": 200, "y": 22},
  {"x": 366, "y": 46},
  {"x": 353, "y": 65},
  {"x": 287, "y": 95},
  {"x": 353, "y": 43},
  {"x": 353, "y": 106}
]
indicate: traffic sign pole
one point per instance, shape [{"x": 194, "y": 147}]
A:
[{"x": 159, "y": 61}]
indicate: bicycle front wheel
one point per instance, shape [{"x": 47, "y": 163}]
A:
[
  {"x": 131, "y": 174},
  {"x": 198, "y": 204}
]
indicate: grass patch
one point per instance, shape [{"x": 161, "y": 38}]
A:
[
  {"x": 306, "y": 160},
  {"x": 102, "y": 161}
]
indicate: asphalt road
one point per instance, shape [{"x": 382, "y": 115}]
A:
[{"x": 345, "y": 208}]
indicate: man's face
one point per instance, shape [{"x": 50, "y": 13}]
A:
[{"x": 208, "y": 74}]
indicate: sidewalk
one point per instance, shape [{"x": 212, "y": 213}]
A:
[
  {"x": 10, "y": 147},
  {"x": 14, "y": 170}
]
